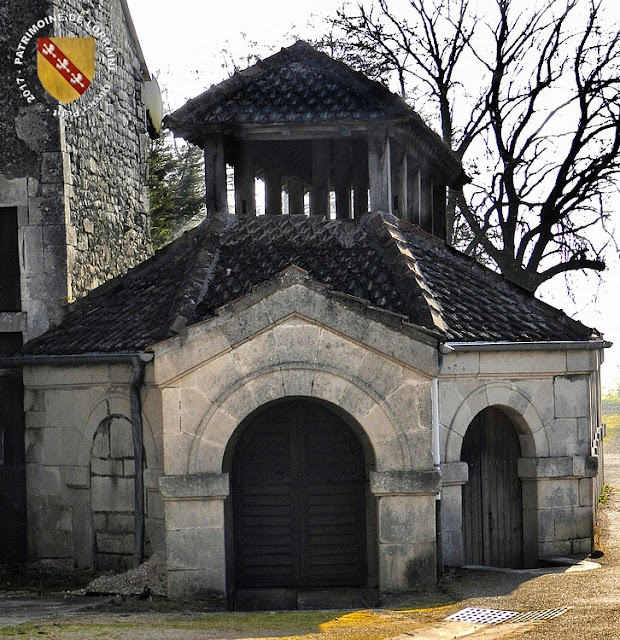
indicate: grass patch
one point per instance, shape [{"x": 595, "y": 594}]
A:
[
  {"x": 612, "y": 425},
  {"x": 233, "y": 624},
  {"x": 310, "y": 625},
  {"x": 603, "y": 497}
]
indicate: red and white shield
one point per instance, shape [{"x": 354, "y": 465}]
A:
[{"x": 66, "y": 66}]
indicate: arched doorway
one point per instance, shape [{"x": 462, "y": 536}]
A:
[
  {"x": 298, "y": 480},
  {"x": 492, "y": 496}
]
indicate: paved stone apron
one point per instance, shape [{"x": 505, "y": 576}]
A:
[{"x": 17, "y": 610}]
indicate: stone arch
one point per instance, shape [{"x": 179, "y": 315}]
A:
[
  {"x": 104, "y": 407},
  {"x": 517, "y": 406},
  {"x": 353, "y": 396},
  {"x": 111, "y": 527}
]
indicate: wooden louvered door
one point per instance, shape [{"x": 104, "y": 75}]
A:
[
  {"x": 298, "y": 500},
  {"x": 492, "y": 499}
]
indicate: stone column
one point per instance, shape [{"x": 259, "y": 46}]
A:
[
  {"x": 453, "y": 476},
  {"x": 413, "y": 191},
  {"x": 273, "y": 192},
  {"x": 359, "y": 152},
  {"x": 342, "y": 178},
  {"x": 558, "y": 506},
  {"x": 195, "y": 538},
  {"x": 407, "y": 535},
  {"x": 296, "y": 196},
  {"x": 245, "y": 191}
]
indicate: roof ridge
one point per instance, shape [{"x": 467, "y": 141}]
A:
[
  {"x": 198, "y": 271},
  {"x": 382, "y": 223},
  {"x": 501, "y": 280}
]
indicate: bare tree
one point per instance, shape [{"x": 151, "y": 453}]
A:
[{"x": 526, "y": 94}]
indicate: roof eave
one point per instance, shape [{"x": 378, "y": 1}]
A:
[{"x": 552, "y": 345}]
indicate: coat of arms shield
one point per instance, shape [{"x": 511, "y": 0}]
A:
[{"x": 66, "y": 66}]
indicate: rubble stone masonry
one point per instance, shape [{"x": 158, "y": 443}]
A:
[{"x": 78, "y": 179}]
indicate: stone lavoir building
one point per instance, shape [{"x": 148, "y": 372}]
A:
[
  {"x": 321, "y": 401},
  {"x": 73, "y": 199}
]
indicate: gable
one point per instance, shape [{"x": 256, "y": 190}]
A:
[{"x": 286, "y": 322}]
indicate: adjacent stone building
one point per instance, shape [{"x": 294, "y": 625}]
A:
[
  {"x": 303, "y": 408},
  {"x": 73, "y": 202}
]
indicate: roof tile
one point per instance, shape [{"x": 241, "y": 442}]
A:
[{"x": 431, "y": 284}]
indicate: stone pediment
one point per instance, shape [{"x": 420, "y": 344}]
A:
[{"x": 295, "y": 305}]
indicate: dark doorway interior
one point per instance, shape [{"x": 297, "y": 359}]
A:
[
  {"x": 10, "y": 296},
  {"x": 12, "y": 470},
  {"x": 298, "y": 477},
  {"x": 492, "y": 497}
]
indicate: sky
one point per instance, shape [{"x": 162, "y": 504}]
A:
[{"x": 184, "y": 44}]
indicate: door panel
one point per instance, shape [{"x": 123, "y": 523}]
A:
[
  {"x": 298, "y": 500},
  {"x": 492, "y": 502}
]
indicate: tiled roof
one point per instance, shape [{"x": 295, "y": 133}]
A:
[
  {"x": 300, "y": 85},
  {"x": 392, "y": 265}
]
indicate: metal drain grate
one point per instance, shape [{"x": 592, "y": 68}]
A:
[
  {"x": 534, "y": 616},
  {"x": 487, "y": 616},
  {"x": 493, "y": 616}
]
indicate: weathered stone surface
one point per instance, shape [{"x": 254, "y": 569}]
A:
[
  {"x": 572, "y": 398},
  {"x": 573, "y": 522},
  {"x": 556, "y": 493},
  {"x": 405, "y": 567},
  {"x": 196, "y": 584},
  {"x": 77, "y": 477},
  {"x": 42, "y": 480},
  {"x": 201, "y": 549},
  {"x": 112, "y": 493},
  {"x": 196, "y": 486},
  {"x": 556, "y": 467},
  {"x": 461, "y": 364},
  {"x": 454, "y": 473},
  {"x": 528, "y": 362},
  {"x": 581, "y": 361},
  {"x": 56, "y": 517},
  {"x": 406, "y": 518},
  {"x": 52, "y": 543},
  {"x": 405, "y": 482},
  {"x": 121, "y": 544},
  {"x": 121, "y": 438},
  {"x": 190, "y": 514}
]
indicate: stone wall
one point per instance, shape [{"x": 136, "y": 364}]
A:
[
  {"x": 292, "y": 340},
  {"x": 79, "y": 182},
  {"x": 548, "y": 397},
  {"x": 79, "y": 468},
  {"x": 29, "y": 137},
  {"x": 105, "y": 152}
]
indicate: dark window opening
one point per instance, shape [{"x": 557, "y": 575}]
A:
[
  {"x": 10, "y": 294},
  {"x": 10, "y": 343}
]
